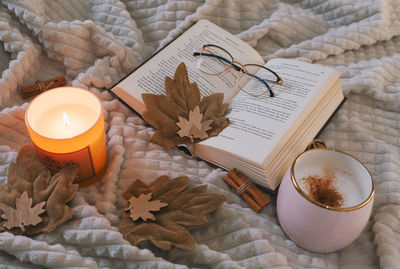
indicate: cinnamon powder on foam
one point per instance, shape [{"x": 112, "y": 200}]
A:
[{"x": 322, "y": 189}]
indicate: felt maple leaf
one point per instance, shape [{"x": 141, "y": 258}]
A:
[
  {"x": 141, "y": 206},
  {"x": 194, "y": 127},
  {"x": 24, "y": 214},
  {"x": 182, "y": 97},
  {"x": 186, "y": 207},
  {"x": 28, "y": 175}
]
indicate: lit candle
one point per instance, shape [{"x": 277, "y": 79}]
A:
[{"x": 66, "y": 125}]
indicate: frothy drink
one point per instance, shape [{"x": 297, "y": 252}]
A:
[{"x": 330, "y": 186}]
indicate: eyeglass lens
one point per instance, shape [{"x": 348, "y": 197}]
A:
[
  {"x": 215, "y": 61},
  {"x": 256, "y": 80}
]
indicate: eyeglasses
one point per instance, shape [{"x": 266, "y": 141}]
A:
[{"x": 214, "y": 60}]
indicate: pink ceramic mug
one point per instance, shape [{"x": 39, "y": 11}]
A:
[{"x": 328, "y": 218}]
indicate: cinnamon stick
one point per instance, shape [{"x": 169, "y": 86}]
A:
[
  {"x": 41, "y": 86},
  {"x": 257, "y": 195},
  {"x": 252, "y": 195}
]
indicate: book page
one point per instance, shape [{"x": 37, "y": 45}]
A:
[
  {"x": 258, "y": 124},
  {"x": 150, "y": 77}
]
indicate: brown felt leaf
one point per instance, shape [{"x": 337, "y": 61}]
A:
[
  {"x": 29, "y": 175},
  {"x": 185, "y": 208},
  {"x": 182, "y": 97}
]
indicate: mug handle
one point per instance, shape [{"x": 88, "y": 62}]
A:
[{"x": 315, "y": 144}]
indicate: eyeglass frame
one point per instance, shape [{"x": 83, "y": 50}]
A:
[{"x": 241, "y": 69}]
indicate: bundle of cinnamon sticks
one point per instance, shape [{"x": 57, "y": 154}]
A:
[
  {"x": 247, "y": 190},
  {"x": 41, "y": 86}
]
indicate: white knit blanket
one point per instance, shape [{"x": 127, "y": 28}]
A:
[{"x": 96, "y": 42}]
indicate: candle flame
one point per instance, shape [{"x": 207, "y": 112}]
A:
[{"x": 66, "y": 120}]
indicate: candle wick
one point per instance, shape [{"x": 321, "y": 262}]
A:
[{"x": 66, "y": 120}]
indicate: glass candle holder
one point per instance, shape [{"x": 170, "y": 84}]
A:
[{"x": 66, "y": 126}]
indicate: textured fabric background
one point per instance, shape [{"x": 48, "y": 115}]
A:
[{"x": 96, "y": 42}]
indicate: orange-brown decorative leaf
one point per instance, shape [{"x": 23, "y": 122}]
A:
[
  {"x": 24, "y": 214},
  {"x": 28, "y": 175},
  {"x": 213, "y": 109},
  {"x": 141, "y": 206},
  {"x": 185, "y": 208},
  {"x": 182, "y": 97}
]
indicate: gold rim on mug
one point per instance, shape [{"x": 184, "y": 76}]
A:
[{"x": 343, "y": 209}]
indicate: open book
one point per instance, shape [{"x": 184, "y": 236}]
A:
[{"x": 265, "y": 134}]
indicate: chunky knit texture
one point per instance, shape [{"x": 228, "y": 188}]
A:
[{"x": 95, "y": 43}]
